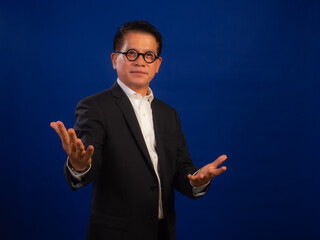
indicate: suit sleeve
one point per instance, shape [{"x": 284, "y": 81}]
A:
[
  {"x": 90, "y": 128},
  {"x": 184, "y": 165}
]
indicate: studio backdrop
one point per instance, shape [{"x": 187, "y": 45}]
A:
[{"x": 243, "y": 76}]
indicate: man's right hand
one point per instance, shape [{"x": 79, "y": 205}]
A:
[{"x": 79, "y": 159}]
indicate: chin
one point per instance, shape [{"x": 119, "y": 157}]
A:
[{"x": 140, "y": 82}]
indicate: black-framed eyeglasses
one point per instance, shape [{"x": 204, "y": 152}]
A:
[{"x": 132, "y": 55}]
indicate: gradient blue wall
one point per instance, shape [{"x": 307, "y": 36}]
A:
[{"x": 243, "y": 75}]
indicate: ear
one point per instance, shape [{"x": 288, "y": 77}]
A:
[
  {"x": 114, "y": 57},
  {"x": 158, "y": 62}
]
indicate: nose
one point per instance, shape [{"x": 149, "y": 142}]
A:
[{"x": 140, "y": 61}]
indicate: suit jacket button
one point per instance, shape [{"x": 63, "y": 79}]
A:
[{"x": 154, "y": 218}]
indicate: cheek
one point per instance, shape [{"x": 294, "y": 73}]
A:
[
  {"x": 155, "y": 69},
  {"x": 122, "y": 67}
]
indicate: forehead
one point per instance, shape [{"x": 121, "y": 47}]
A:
[{"x": 140, "y": 41}]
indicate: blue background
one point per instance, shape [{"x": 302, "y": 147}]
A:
[{"x": 243, "y": 75}]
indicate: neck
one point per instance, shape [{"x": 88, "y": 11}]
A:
[{"x": 143, "y": 91}]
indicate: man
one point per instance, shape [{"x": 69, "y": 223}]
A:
[{"x": 130, "y": 145}]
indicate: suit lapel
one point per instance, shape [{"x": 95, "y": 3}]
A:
[
  {"x": 157, "y": 132},
  {"x": 125, "y": 106}
]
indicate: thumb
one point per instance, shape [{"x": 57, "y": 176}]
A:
[{"x": 190, "y": 177}]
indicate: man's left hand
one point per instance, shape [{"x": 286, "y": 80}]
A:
[{"x": 209, "y": 171}]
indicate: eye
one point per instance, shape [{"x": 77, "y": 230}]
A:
[
  {"x": 132, "y": 53},
  {"x": 150, "y": 55}
]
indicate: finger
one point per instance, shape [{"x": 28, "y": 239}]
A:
[
  {"x": 219, "y": 160},
  {"x": 63, "y": 133},
  {"x": 193, "y": 180},
  {"x": 200, "y": 176},
  {"x": 211, "y": 169},
  {"x": 190, "y": 177},
  {"x": 219, "y": 171},
  {"x": 72, "y": 135},
  {"x": 196, "y": 177},
  {"x": 72, "y": 153},
  {"x": 55, "y": 127},
  {"x": 79, "y": 148},
  {"x": 88, "y": 155}
]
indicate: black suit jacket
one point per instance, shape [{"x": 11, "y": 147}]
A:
[{"x": 125, "y": 188}]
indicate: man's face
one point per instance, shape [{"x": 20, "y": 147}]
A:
[{"x": 136, "y": 74}]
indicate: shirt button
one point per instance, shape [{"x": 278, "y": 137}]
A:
[
  {"x": 144, "y": 114},
  {"x": 155, "y": 157}
]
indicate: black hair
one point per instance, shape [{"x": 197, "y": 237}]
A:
[{"x": 136, "y": 26}]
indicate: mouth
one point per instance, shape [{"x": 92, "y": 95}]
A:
[{"x": 138, "y": 72}]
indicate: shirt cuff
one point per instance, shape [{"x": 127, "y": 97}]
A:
[
  {"x": 199, "y": 191},
  {"x": 77, "y": 175}
]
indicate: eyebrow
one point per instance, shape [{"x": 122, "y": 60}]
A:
[{"x": 148, "y": 50}]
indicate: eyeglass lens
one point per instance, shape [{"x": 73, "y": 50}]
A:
[{"x": 149, "y": 56}]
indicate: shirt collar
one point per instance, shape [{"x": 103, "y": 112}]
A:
[{"x": 130, "y": 93}]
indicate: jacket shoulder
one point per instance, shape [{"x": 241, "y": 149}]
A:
[
  {"x": 162, "y": 106},
  {"x": 103, "y": 96}
]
